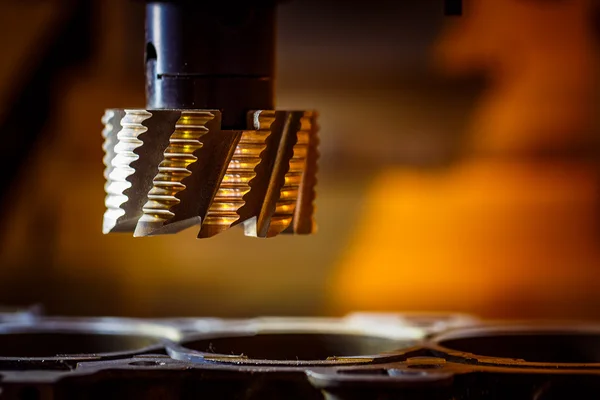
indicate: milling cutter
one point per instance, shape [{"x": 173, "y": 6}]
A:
[{"x": 209, "y": 149}]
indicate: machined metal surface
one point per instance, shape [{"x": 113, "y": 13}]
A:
[
  {"x": 379, "y": 356},
  {"x": 168, "y": 170},
  {"x": 20, "y": 314},
  {"x": 296, "y": 342},
  {"x": 61, "y": 340}
]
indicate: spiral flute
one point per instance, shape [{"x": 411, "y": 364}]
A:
[{"x": 169, "y": 170}]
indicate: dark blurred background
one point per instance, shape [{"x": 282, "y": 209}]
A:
[{"x": 458, "y": 170}]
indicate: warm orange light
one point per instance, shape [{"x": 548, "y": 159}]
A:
[{"x": 495, "y": 238}]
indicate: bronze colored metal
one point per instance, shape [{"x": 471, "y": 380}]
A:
[
  {"x": 168, "y": 170},
  {"x": 303, "y": 221},
  {"x": 176, "y": 183},
  {"x": 236, "y": 183}
]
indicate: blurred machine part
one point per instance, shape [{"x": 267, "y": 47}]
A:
[
  {"x": 209, "y": 149},
  {"x": 361, "y": 356},
  {"x": 56, "y": 37}
]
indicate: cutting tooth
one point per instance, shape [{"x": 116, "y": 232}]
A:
[
  {"x": 139, "y": 150},
  {"x": 274, "y": 190},
  {"x": 286, "y": 205},
  {"x": 303, "y": 221},
  {"x": 235, "y": 184},
  {"x": 188, "y": 176},
  {"x": 167, "y": 170},
  {"x": 127, "y": 142},
  {"x": 183, "y": 143},
  {"x": 112, "y": 125}
]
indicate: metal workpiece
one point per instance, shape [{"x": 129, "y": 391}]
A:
[
  {"x": 535, "y": 344},
  {"x": 430, "y": 322},
  {"x": 296, "y": 342},
  {"x": 56, "y": 341},
  {"x": 20, "y": 314},
  {"x": 169, "y": 170},
  {"x": 361, "y": 356}
]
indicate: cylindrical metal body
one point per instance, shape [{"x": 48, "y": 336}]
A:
[{"x": 211, "y": 55}]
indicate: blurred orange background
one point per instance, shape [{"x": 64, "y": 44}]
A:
[{"x": 459, "y": 170}]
